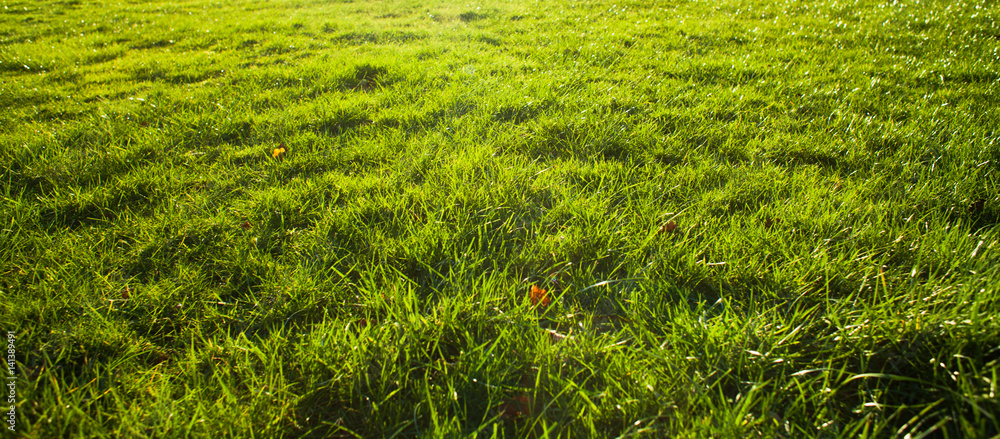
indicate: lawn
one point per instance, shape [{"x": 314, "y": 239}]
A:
[{"x": 521, "y": 218}]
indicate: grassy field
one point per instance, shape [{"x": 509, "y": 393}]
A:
[{"x": 521, "y": 218}]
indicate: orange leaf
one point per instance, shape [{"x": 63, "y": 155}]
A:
[{"x": 538, "y": 297}]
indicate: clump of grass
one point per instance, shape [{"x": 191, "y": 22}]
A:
[{"x": 557, "y": 218}]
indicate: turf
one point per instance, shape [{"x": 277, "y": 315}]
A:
[{"x": 298, "y": 218}]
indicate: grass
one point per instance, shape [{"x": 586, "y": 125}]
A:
[{"x": 767, "y": 219}]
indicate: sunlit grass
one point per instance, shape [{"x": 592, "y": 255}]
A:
[{"x": 773, "y": 219}]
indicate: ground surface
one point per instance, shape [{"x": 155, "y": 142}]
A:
[{"x": 513, "y": 218}]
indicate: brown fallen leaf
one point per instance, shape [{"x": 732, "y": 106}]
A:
[
  {"x": 521, "y": 404},
  {"x": 158, "y": 356},
  {"x": 669, "y": 227},
  {"x": 515, "y": 407},
  {"x": 539, "y": 298}
]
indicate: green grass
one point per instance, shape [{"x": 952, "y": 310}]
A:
[{"x": 753, "y": 219}]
